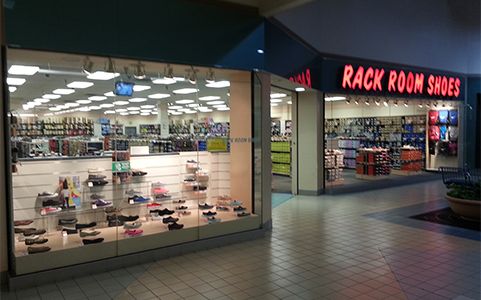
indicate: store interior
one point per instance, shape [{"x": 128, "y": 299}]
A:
[
  {"x": 382, "y": 140},
  {"x": 108, "y": 154}
]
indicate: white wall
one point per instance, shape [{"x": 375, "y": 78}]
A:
[{"x": 339, "y": 109}]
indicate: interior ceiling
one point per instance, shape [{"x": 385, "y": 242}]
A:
[
  {"x": 57, "y": 70},
  {"x": 270, "y": 7}
]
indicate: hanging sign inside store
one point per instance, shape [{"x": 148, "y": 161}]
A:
[
  {"x": 121, "y": 166},
  {"x": 217, "y": 144},
  {"x": 401, "y": 82}
]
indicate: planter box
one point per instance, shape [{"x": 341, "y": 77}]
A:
[{"x": 470, "y": 209}]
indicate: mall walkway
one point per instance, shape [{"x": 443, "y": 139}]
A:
[{"x": 359, "y": 246}]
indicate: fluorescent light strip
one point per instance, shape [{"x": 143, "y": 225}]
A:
[
  {"x": 102, "y": 75},
  {"x": 209, "y": 98},
  {"x": 12, "y": 89},
  {"x": 158, "y": 96},
  {"x": 121, "y": 102},
  {"x": 64, "y": 91},
  {"x": 184, "y": 101},
  {"x": 15, "y": 81},
  {"x": 135, "y": 100},
  {"x": 215, "y": 102},
  {"x": 218, "y": 84},
  {"x": 23, "y": 70},
  {"x": 80, "y": 84},
  {"x": 163, "y": 81},
  {"x": 185, "y": 91},
  {"x": 83, "y": 101},
  {"x": 147, "y": 106},
  {"x": 97, "y": 98},
  {"x": 278, "y": 95},
  {"x": 140, "y": 88}
]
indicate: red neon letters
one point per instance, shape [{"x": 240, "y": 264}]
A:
[
  {"x": 303, "y": 78},
  {"x": 399, "y": 81}
]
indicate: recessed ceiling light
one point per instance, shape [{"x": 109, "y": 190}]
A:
[
  {"x": 185, "y": 91},
  {"x": 121, "y": 102},
  {"x": 178, "y": 78},
  {"x": 175, "y": 107},
  {"x": 51, "y": 96},
  {"x": 54, "y": 109},
  {"x": 193, "y": 105},
  {"x": 147, "y": 106},
  {"x": 133, "y": 108},
  {"x": 140, "y": 88},
  {"x": 215, "y": 102},
  {"x": 145, "y": 110},
  {"x": 80, "y": 84},
  {"x": 190, "y": 112},
  {"x": 109, "y": 112},
  {"x": 209, "y": 98},
  {"x": 23, "y": 70},
  {"x": 218, "y": 84},
  {"x": 145, "y": 114},
  {"x": 289, "y": 102},
  {"x": 64, "y": 91},
  {"x": 109, "y": 94},
  {"x": 85, "y": 108},
  {"x": 137, "y": 100},
  {"x": 184, "y": 109},
  {"x": 274, "y": 104},
  {"x": 41, "y": 100},
  {"x": 159, "y": 96},
  {"x": 335, "y": 98},
  {"x": 97, "y": 98},
  {"x": 154, "y": 113},
  {"x": 300, "y": 89},
  {"x": 176, "y": 113},
  {"x": 106, "y": 105},
  {"x": 95, "y": 107},
  {"x": 170, "y": 111},
  {"x": 124, "y": 113},
  {"x": 72, "y": 104},
  {"x": 276, "y": 100},
  {"x": 163, "y": 80},
  {"x": 223, "y": 108},
  {"x": 278, "y": 95},
  {"x": 184, "y": 101},
  {"x": 204, "y": 109},
  {"x": 32, "y": 103},
  {"x": 12, "y": 89},
  {"x": 219, "y": 105},
  {"x": 260, "y": 51},
  {"x": 134, "y": 112},
  {"x": 121, "y": 110},
  {"x": 15, "y": 81},
  {"x": 83, "y": 101},
  {"x": 102, "y": 75}
]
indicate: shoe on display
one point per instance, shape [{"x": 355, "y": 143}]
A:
[
  {"x": 182, "y": 207},
  {"x": 163, "y": 196},
  {"x": 50, "y": 210},
  {"x": 92, "y": 241},
  {"x": 224, "y": 198},
  {"x": 180, "y": 201},
  {"x": 35, "y": 241},
  {"x": 47, "y": 194},
  {"x": 212, "y": 220},
  {"x": 122, "y": 218},
  {"x": 190, "y": 179},
  {"x": 239, "y": 208},
  {"x": 200, "y": 188},
  {"x": 184, "y": 213},
  {"x": 137, "y": 173},
  {"x": 110, "y": 210},
  {"x": 81, "y": 226},
  {"x": 33, "y": 250},
  {"x": 162, "y": 212},
  {"x": 156, "y": 217},
  {"x": 96, "y": 176},
  {"x": 139, "y": 199},
  {"x": 209, "y": 213},
  {"x": 115, "y": 223},
  {"x": 96, "y": 196},
  {"x": 175, "y": 226},
  {"x": 236, "y": 203},
  {"x": 22, "y": 230},
  {"x": 133, "y": 232},
  {"x": 70, "y": 231},
  {"x": 52, "y": 202},
  {"x": 67, "y": 221},
  {"x": 132, "y": 192},
  {"x": 132, "y": 225},
  {"x": 84, "y": 233},
  {"x": 191, "y": 161},
  {"x": 22, "y": 238},
  {"x": 169, "y": 220},
  {"x": 243, "y": 214},
  {"x": 34, "y": 232},
  {"x": 222, "y": 208},
  {"x": 153, "y": 205},
  {"x": 205, "y": 206},
  {"x": 102, "y": 203},
  {"x": 97, "y": 182},
  {"x": 159, "y": 191}
]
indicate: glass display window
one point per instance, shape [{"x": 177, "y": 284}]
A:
[{"x": 117, "y": 156}]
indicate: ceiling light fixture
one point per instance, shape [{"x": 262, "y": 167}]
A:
[
  {"x": 140, "y": 88},
  {"x": 158, "y": 96},
  {"x": 120, "y": 110},
  {"x": 121, "y": 102},
  {"x": 54, "y": 109},
  {"x": 163, "y": 81},
  {"x": 80, "y": 84},
  {"x": 154, "y": 113},
  {"x": 193, "y": 105},
  {"x": 134, "y": 112},
  {"x": 175, "y": 107},
  {"x": 72, "y": 104},
  {"x": 427, "y": 104},
  {"x": 348, "y": 101},
  {"x": 276, "y": 100},
  {"x": 109, "y": 112},
  {"x": 192, "y": 75},
  {"x": 367, "y": 102},
  {"x": 133, "y": 108},
  {"x": 64, "y": 91},
  {"x": 23, "y": 70},
  {"x": 209, "y": 98},
  {"x": 386, "y": 103},
  {"x": 223, "y": 108},
  {"x": 377, "y": 102},
  {"x": 406, "y": 103},
  {"x": 185, "y": 91},
  {"x": 83, "y": 101},
  {"x": 356, "y": 101},
  {"x": 147, "y": 106},
  {"x": 109, "y": 94},
  {"x": 102, "y": 75},
  {"x": 420, "y": 105},
  {"x": 97, "y": 98},
  {"x": 135, "y": 100},
  {"x": 145, "y": 114},
  {"x": 12, "y": 89},
  {"x": 333, "y": 98},
  {"x": 184, "y": 101},
  {"x": 145, "y": 110},
  {"x": 219, "y": 105},
  {"x": 139, "y": 72},
  {"x": 204, "y": 109},
  {"x": 300, "y": 89},
  {"x": 15, "y": 81},
  {"x": 218, "y": 84},
  {"x": 215, "y": 102},
  {"x": 274, "y": 104},
  {"x": 177, "y": 113},
  {"x": 124, "y": 113},
  {"x": 289, "y": 102},
  {"x": 95, "y": 107},
  {"x": 395, "y": 103},
  {"x": 51, "y": 96},
  {"x": 107, "y": 105},
  {"x": 41, "y": 100}
]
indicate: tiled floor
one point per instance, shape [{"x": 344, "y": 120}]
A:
[{"x": 327, "y": 247}]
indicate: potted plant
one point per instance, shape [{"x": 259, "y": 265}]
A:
[{"x": 465, "y": 200}]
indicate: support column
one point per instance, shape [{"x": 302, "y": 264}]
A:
[
  {"x": 310, "y": 143},
  {"x": 163, "y": 118}
]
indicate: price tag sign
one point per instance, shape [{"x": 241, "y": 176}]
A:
[
  {"x": 90, "y": 184},
  {"x": 217, "y": 144},
  {"x": 121, "y": 166},
  {"x": 131, "y": 201},
  {"x": 94, "y": 206}
]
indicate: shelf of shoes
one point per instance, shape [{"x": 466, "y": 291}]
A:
[
  {"x": 333, "y": 165},
  {"x": 281, "y": 155},
  {"x": 372, "y": 163},
  {"x": 67, "y": 126}
]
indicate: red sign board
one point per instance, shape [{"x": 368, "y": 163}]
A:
[
  {"x": 303, "y": 78},
  {"x": 400, "y": 82}
]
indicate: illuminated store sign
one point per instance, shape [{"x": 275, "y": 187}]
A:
[
  {"x": 402, "y": 82},
  {"x": 303, "y": 78}
]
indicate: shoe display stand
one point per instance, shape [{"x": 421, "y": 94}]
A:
[
  {"x": 411, "y": 162},
  {"x": 333, "y": 165},
  {"x": 349, "y": 147},
  {"x": 281, "y": 155},
  {"x": 372, "y": 163},
  {"x": 35, "y": 176}
]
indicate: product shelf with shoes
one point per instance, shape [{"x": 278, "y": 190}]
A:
[
  {"x": 411, "y": 161},
  {"x": 372, "y": 163},
  {"x": 333, "y": 165},
  {"x": 348, "y": 147},
  {"x": 281, "y": 155}
]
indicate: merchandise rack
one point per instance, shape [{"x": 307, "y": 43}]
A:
[
  {"x": 333, "y": 165},
  {"x": 372, "y": 163},
  {"x": 281, "y": 155}
]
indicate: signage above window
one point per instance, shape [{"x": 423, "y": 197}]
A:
[{"x": 399, "y": 82}]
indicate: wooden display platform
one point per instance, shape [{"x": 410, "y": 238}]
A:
[
  {"x": 405, "y": 173},
  {"x": 369, "y": 177}
]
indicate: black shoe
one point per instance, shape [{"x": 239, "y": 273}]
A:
[
  {"x": 205, "y": 206},
  {"x": 22, "y": 230},
  {"x": 92, "y": 241},
  {"x": 70, "y": 231},
  {"x": 209, "y": 213},
  {"x": 175, "y": 226},
  {"x": 222, "y": 208},
  {"x": 115, "y": 223},
  {"x": 22, "y": 223},
  {"x": 239, "y": 208},
  {"x": 180, "y": 201},
  {"x": 138, "y": 173},
  {"x": 99, "y": 182},
  {"x": 162, "y": 212},
  {"x": 128, "y": 218},
  {"x": 33, "y": 250},
  {"x": 96, "y": 177},
  {"x": 35, "y": 241},
  {"x": 182, "y": 207},
  {"x": 67, "y": 221},
  {"x": 51, "y": 202},
  {"x": 34, "y": 232},
  {"x": 169, "y": 220},
  {"x": 81, "y": 226},
  {"x": 243, "y": 214}
]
